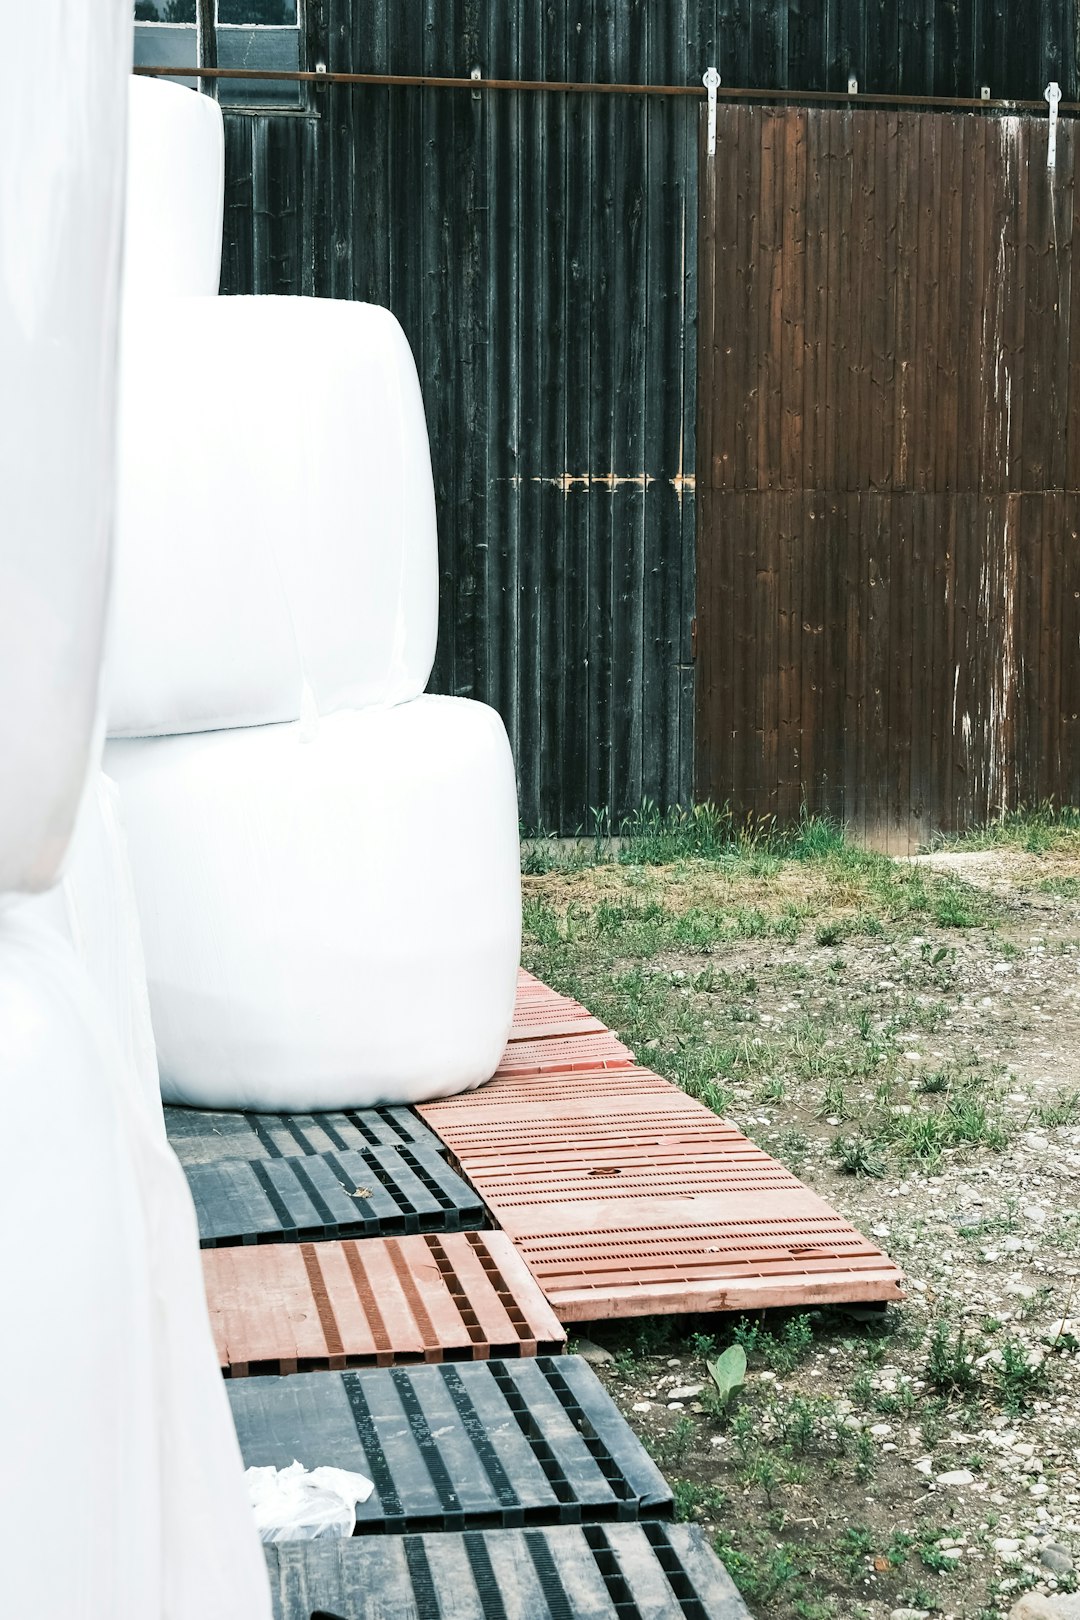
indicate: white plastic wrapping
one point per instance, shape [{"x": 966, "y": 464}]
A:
[
  {"x": 61, "y": 202},
  {"x": 277, "y": 525},
  {"x": 124, "y": 1494},
  {"x": 108, "y": 1378},
  {"x": 300, "y": 1504},
  {"x": 93, "y": 908},
  {"x": 332, "y": 923},
  {"x": 175, "y": 193}
]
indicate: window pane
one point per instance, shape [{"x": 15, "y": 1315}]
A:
[
  {"x": 165, "y": 11},
  {"x": 167, "y": 47},
  {"x": 273, "y": 13},
  {"x": 277, "y": 48}
]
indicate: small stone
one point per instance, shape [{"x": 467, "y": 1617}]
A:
[
  {"x": 1034, "y": 1606},
  {"x": 676, "y": 1406},
  {"x": 686, "y": 1392},
  {"x": 910, "y": 1614},
  {"x": 1005, "y": 1544},
  {"x": 924, "y": 1465},
  {"x": 641, "y": 1406},
  {"x": 1056, "y": 1561},
  {"x": 594, "y": 1354},
  {"x": 958, "y": 1476}
]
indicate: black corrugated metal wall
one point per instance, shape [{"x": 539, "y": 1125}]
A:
[{"x": 540, "y": 252}]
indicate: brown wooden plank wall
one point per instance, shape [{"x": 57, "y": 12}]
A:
[{"x": 888, "y": 468}]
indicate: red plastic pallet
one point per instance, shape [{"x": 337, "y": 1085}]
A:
[
  {"x": 627, "y": 1197},
  {"x": 513, "y": 1181},
  {"x": 722, "y": 1265},
  {"x": 375, "y": 1301},
  {"x": 535, "y": 1021},
  {"x": 659, "y": 1117},
  {"x": 541, "y": 1013},
  {"x": 622, "y": 1081},
  {"x": 563, "y": 1054}
]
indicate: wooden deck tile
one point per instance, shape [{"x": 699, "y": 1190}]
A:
[{"x": 374, "y": 1301}]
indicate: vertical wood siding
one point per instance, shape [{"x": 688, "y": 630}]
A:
[
  {"x": 889, "y": 468},
  {"x": 541, "y": 253}
]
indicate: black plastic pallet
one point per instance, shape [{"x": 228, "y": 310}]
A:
[
  {"x": 204, "y": 1136},
  {"x": 460, "y": 1446},
  {"x": 382, "y": 1192},
  {"x": 649, "y": 1571}
]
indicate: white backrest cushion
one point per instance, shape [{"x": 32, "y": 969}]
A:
[{"x": 277, "y": 516}]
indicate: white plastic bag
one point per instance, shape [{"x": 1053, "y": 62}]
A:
[
  {"x": 297, "y": 1504},
  {"x": 260, "y": 550},
  {"x": 333, "y": 923}
]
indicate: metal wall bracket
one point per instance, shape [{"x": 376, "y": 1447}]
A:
[
  {"x": 1052, "y": 94},
  {"x": 711, "y": 80}
]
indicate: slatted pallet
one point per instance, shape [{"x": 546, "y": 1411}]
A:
[
  {"x": 540, "y": 1012},
  {"x": 205, "y": 1136},
  {"x": 481, "y": 1121},
  {"x": 627, "y": 1197},
  {"x": 382, "y": 1192},
  {"x": 612, "y": 1083},
  {"x": 648, "y": 1571},
  {"x": 724, "y": 1264},
  {"x": 467, "y": 1445},
  {"x": 285, "y": 1308},
  {"x": 561, "y": 1054}
]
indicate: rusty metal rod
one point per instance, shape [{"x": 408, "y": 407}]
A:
[{"x": 566, "y": 87}]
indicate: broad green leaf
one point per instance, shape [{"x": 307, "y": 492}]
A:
[{"x": 728, "y": 1372}]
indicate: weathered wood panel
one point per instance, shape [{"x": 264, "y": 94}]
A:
[
  {"x": 541, "y": 253},
  {"x": 888, "y": 468}
]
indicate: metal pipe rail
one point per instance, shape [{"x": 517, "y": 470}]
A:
[{"x": 567, "y": 87}]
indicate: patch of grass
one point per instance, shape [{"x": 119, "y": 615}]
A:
[
  {"x": 1063, "y": 887},
  {"x": 1064, "y": 1109},
  {"x": 782, "y": 1351},
  {"x": 1006, "y": 1375},
  {"x": 673, "y": 1447},
  {"x": 950, "y": 1362},
  {"x": 691, "y": 1500},
  {"x": 855, "y": 1156},
  {"x": 1035, "y": 829}
]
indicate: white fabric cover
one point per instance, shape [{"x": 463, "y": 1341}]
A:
[
  {"x": 93, "y": 908},
  {"x": 175, "y": 193},
  {"x": 61, "y": 203},
  {"x": 332, "y": 923},
  {"x": 126, "y": 1494},
  {"x": 276, "y": 528}
]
